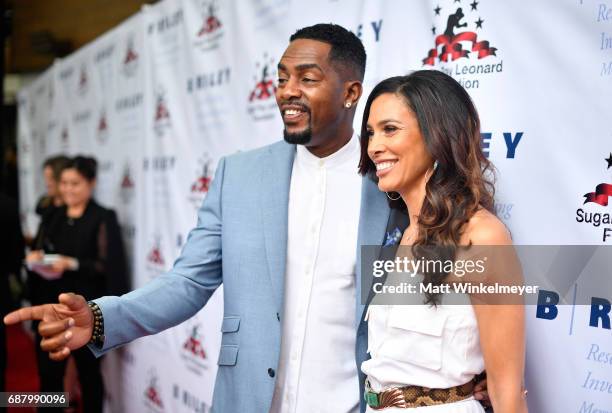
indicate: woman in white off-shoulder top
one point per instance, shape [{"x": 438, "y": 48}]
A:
[{"x": 421, "y": 143}]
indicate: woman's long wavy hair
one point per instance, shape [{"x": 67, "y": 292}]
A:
[{"x": 463, "y": 181}]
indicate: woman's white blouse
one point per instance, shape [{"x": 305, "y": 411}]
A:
[{"x": 435, "y": 347}]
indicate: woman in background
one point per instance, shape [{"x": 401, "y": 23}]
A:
[
  {"x": 89, "y": 260},
  {"x": 52, "y": 171},
  {"x": 421, "y": 143}
]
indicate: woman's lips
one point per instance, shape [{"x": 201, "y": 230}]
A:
[{"x": 384, "y": 167}]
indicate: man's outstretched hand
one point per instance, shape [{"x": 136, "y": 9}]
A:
[
  {"x": 481, "y": 394},
  {"x": 65, "y": 326}
]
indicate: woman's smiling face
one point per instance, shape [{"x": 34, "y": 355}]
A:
[{"x": 396, "y": 145}]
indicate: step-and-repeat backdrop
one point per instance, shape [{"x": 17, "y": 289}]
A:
[{"x": 160, "y": 98}]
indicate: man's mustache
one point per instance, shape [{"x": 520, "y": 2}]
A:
[{"x": 294, "y": 104}]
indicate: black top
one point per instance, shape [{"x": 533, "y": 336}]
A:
[
  {"x": 45, "y": 206},
  {"x": 95, "y": 240},
  {"x": 11, "y": 248}
]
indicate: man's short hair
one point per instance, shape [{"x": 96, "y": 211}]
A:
[{"x": 346, "y": 48}]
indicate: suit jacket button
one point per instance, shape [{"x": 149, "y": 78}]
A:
[
  {"x": 271, "y": 372},
  {"x": 278, "y": 316}
]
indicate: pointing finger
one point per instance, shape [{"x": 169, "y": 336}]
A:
[{"x": 24, "y": 314}]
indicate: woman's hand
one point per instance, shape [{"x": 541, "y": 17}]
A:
[
  {"x": 35, "y": 256},
  {"x": 64, "y": 263}
]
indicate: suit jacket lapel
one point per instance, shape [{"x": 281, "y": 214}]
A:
[
  {"x": 373, "y": 219},
  {"x": 274, "y": 190},
  {"x": 397, "y": 224}
]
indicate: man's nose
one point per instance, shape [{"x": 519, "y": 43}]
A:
[{"x": 290, "y": 90}]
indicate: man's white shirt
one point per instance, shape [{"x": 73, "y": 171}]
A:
[{"x": 317, "y": 370}]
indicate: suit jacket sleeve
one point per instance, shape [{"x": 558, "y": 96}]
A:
[{"x": 177, "y": 295}]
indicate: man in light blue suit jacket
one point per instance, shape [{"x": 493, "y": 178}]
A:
[{"x": 241, "y": 240}]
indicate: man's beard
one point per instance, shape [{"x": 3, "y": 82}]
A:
[{"x": 298, "y": 138}]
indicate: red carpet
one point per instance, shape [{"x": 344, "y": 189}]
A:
[{"x": 21, "y": 371}]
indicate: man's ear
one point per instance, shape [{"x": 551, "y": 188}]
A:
[{"x": 352, "y": 92}]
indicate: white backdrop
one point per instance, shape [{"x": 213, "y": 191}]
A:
[{"x": 159, "y": 99}]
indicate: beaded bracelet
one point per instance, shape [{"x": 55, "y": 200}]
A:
[{"x": 97, "y": 337}]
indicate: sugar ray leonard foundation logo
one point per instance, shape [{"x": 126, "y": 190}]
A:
[
  {"x": 152, "y": 394},
  {"x": 201, "y": 182},
  {"x": 24, "y": 146},
  {"x": 193, "y": 345},
  {"x": 129, "y": 62},
  {"x": 155, "y": 258},
  {"x": 83, "y": 83},
  {"x": 102, "y": 128},
  {"x": 161, "y": 120},
  {"x": 261, "y": 100},
  {"x": 51, "y": 94},
  {"x": 32, "y": 110},
  {"x": 465, "y": 55},
  {"x": 193, "y": 351},
  {"x": 597, "y": 199},
  {"x": 126, "y": 187},
  {"x": 210, "y": 30},
  {"x": 64, "y": 137}
]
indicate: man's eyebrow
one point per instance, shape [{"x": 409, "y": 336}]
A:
[
  {"x": 304, "y": 66},
  {"x": 307, "y": 66}
]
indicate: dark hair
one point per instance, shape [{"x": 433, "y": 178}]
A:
[
  {"x": 449, "y": 123},
  {"x": 346, "y": 48},
  {"x": 84, "y": 165},
  {"x": 57, "y": 165}
]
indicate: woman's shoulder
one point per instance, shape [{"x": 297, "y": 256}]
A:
[
  {"x": 484, "y": 228},
  {"x": 44, "y": 206},
  {"x": 100, "y": 212}
]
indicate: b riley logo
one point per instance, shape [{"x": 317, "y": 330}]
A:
[
  {"x": 461, "y": 50},
  {"x": 600, "y": 197},
  {"x": 262, "y": 104}
]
